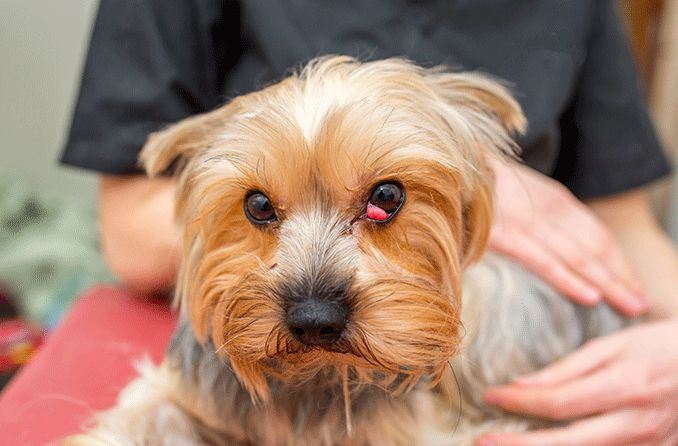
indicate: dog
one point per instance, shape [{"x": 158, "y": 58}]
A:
[{"x": 335, "y": 288}]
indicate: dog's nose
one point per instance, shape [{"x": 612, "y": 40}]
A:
[{"x": 315, "y": 322}]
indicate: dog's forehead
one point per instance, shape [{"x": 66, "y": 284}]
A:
[
  {"x": 319, "y": 106},
  {"x": 359, "y": 101},
  {"x": 336, "y": 165},
  {"x": 334, "y": 137}
]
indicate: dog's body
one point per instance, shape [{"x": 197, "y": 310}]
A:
[
  {"x": 515, "y": 324},
  {"x": 241, "y": 370}
]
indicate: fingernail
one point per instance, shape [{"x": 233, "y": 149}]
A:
[
  {"x": 490, "y": 399},
  {"x": 591, "y": 295},
  {"x": 644, "y": 300},
  {"x": 526, "y": 379},
  {"x": 638, "y": 305}
]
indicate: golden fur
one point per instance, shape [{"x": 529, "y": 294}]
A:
[
  {"x": 365, "y": 123},
  {"x": 316, "y": 144}
]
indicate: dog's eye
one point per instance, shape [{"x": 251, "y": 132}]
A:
[
  {"x": 385, "y": 201},
  {"x": 259, "y": 209}
]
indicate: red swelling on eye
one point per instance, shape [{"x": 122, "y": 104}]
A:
[{"x": 376, "y": 213}]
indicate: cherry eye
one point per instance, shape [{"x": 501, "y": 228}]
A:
[
  {"x": 259, "y": 209},
  {"x": 385, "y": 201}
]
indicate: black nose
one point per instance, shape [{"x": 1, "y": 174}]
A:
[{"x": 315, "y": 322}]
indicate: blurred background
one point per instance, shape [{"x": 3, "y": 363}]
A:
[{"x": 49, "y": 251}]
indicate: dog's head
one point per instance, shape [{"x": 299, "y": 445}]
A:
[{"x": 328, "y": 218}]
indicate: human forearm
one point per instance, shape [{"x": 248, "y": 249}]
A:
[
  {"x": 630, "y": 218},
  {"x": 620, "y": 383},
  {"x": 138, "y": 235}
]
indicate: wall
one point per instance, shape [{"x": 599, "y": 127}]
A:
[{"x": 42, "y": 48}]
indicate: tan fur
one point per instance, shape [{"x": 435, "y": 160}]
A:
[{"x": 316, "y": 144}]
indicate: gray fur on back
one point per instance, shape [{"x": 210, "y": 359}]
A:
[
  {"x": 517, "y": 324},
  {"x": 514, "y": 324}
]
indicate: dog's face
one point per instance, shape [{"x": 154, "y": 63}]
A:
[{"x": 328, "y": 218}]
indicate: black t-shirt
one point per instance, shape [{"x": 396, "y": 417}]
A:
[{"x": 154, "y": 62}]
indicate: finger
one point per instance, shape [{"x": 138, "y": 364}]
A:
[
  {"x": 602, "y": 391},
  {"x": 598, "y": 240},
  {"x": 529, "y": 252},
  {"x": 587, "y": 358},
  {"x": 614, "y": 429},
  {"x": 594, "y": 239},
  {"x": 609, "y": 251},
  {"x": 583, "y": 262},
  {"x": 621, "y": 270}
]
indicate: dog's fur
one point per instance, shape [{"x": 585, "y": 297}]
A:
[{"x": 412, "y": 363}]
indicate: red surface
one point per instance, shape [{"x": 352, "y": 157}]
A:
[{"x": 82, "y": 366}]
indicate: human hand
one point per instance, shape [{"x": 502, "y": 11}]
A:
[
  {"x": 539, "y": 223},
  {"x": 621, "y": 390},
  {"x": 139, "y": 238}
]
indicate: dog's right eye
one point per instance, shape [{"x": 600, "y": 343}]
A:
[
  {"x": 259, "y": 209},
  {"x": 385, "y": 201}
]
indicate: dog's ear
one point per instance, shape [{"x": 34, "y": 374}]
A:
[
  {"x": 488, "y": 112},
  {"x": 477, "y": 224},
  {"x": 173, "y": 146},
  {"x": 481, "y": 94}
]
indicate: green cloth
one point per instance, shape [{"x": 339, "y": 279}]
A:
[{"x": 49, "y": 249}]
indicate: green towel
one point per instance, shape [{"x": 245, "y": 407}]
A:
[{"x": 49, "y": 249}]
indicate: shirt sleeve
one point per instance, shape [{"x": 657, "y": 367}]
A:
[
  {"x": 608, "y": 141},
  {"x": 149, "y": 64}
]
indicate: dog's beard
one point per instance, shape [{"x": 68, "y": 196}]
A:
[
  {"x": 404, "y": 315},
  {"x": 401, "y": 329}
]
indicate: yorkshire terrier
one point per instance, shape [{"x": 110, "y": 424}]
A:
[{"x": 334, "y": 288}]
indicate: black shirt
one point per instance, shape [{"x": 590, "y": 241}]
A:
[{"x": 154, "y": 62}]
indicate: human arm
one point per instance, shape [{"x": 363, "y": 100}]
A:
[
  {"x": 621, "y": 389},
  {"x": 147, "y": 66},
  {"x": 608, "y": 146},
  {"x": 542, "y": 225},
  {"x": 650, "y": 251},
  {"x": 139, "y": 238}
]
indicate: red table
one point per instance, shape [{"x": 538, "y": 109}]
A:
[{"x": 83, "y": 365}]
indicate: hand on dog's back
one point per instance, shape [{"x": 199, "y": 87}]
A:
[{"x": 540, "y": 224}]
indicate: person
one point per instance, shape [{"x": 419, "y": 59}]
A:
[{"x": 576, "y": 212}]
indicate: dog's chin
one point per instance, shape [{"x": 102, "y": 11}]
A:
[{"x": 298, "y": 365}]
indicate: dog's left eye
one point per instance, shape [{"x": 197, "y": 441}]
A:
[
  {"x": 385, "y": 201},
  {"x": 259, "y": 209}
]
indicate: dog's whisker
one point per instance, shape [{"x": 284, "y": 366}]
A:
[
  {"x": 460, "y": 408},
  {"x": 218, "y": 349}
]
